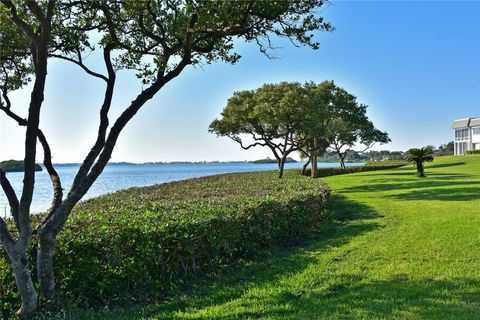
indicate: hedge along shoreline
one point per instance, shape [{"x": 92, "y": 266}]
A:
[
  {"x": 139, "y": 244},
  {"x": 327, "y": 172}
]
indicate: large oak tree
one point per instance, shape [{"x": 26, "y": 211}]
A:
[
  {"x": 157, "y": 39},
  {"x": 270, "y": 116}
]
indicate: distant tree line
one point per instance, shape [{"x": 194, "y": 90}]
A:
[
  {"x": 15, "y": 166},
  {"x": 371, "y": 155},
  {"x": 381, "y": 155}
]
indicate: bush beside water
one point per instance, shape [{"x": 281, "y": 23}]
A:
[
  {"x": 139, "y": 244},
  {"x": 326, "y": 172}
]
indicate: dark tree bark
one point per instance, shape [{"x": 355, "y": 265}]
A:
[
  {"x": 305, "y": 166},
  {"x": 45, "y": 271},
  {"x": 281, "y": 167},
  {"x": 314, "y": 172}
]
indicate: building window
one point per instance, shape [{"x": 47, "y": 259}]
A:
[
  {"x": 476, "y": 130},
  {"x": 461, "y": 148},
  {"x": 461, "y": 135}
]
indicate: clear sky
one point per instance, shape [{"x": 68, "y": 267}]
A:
[{"x": 416, "y": 64}]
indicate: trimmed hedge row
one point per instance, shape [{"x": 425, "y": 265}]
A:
[
  {"x": 473, "y": 151},
  {"x": 138, "y": 244},
  {"x": 326, "y": 172}
]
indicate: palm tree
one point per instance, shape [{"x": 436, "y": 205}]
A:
[{"x": 418, "y": 156}]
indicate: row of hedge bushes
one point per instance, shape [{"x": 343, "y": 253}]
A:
[
  {"x": 326, "y": 172},
  {"x": 386, "y": 163},
  {"x": 473, "y": 151},
  {"x": 138, "y": 244}
]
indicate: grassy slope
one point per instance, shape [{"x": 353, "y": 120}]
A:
[{"x": 397, "y": 247}]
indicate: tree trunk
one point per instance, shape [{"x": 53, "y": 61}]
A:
[
  {"x": 24, "y": 283},
  {"x": 46, "y": 246},
  {"x": 314, "y": 172},
  {"x": 420, "y": 169},
  {"x": 305, "y": 166},
  {"x": 342, "y": 163},
  {"x": 281, "y": 165}
]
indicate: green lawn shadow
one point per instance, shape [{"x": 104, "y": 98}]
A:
[
  {"x": 444, "y": 165},
  {"x": 415, "y": 183},
  {"x": 443, "y": 194},
  {"x": 395, "y": 298}
]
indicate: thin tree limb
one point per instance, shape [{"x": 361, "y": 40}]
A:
[
  {"x": 11, "y": 197},
  {"x": 81, "y": 65}
]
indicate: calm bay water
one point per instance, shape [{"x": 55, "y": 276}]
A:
[{"x": 121, "y": 176}]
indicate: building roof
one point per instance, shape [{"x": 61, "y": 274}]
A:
[
  {"x": 461, "y": 123},
  {"x": 474, "y": 122}
]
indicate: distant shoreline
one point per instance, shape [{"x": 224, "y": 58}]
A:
[{"x": 260, "y": 161}]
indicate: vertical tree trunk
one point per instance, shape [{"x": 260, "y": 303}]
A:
[
  {"x": 314, "y": 172},
  {"x": 46, "y": 246},
  {"x": 24, "y": 282},
  {"x": 342, "y": 163},
  {"x": 281, "y": 165}
]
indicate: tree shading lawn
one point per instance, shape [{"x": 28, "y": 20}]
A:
[{"x": 396, "y": 247}]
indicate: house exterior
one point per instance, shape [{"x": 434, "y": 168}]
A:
[{"x": 467, "y": 135}]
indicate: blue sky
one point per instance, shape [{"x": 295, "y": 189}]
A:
[{"x": 416, "y": 64}]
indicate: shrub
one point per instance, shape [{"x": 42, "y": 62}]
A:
[
  {"x": 326, "y": 172},
  {"x": 473, "y": 151},
  {"x": 140, "y": 243},
  {"x": 387, "y": 163}
]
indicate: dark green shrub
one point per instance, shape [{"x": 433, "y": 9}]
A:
[
  {"x": 141, "y": 243},
  {"x": 473, "y": 151},
  {"x": 326, "y": 172}
]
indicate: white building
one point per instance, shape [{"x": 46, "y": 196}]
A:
[{"x": 467, "y": 135}]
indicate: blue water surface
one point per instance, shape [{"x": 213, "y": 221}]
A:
[{"x": 121, "y": 176}]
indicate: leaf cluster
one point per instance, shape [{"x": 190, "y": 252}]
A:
[
  {"x": 420, "y": 155},
  {"x": 154, "y": 37}
]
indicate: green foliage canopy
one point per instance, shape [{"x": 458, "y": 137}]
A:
[{"x": 272, "y": 116}]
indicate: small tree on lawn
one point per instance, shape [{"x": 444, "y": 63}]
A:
[
  {"x": 419, "y": 156},
  {"x": 158, "y": 40}
]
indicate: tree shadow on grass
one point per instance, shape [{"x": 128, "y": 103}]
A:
[
  {"x": 444, "y": 165},
  {"x": 442, "y": 194},
  {"x": 413, "y": 174},
  {"x": 417, "y": 183},
  {"x": 394, "y": 298},
  {"x": 348, "y": 220}
]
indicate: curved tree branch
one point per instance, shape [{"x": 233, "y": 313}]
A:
[
  {"x": 80, "y": 64},
  {"x": 11, "y": 197}
]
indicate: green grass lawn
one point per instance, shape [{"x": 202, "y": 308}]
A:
[{"x": 395, "y": 247}]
